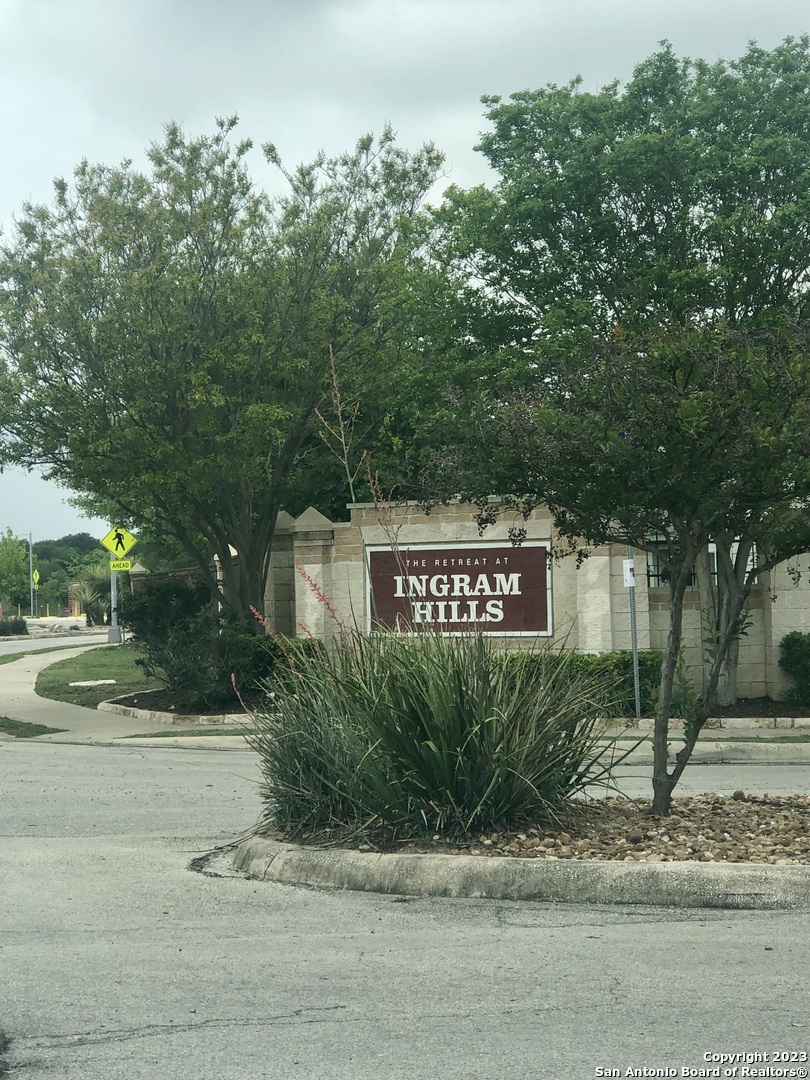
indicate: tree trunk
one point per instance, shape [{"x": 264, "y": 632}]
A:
[
  {"x": 708, "y": 613},
  {"x": 253, "y": 585},
  {"x": 243, "y": 581},
  {"x": 229, "y": 569},
  {"x": 727, "y": 683},
  {"x": 708, "y": 697},
  {"x": 662, "y": 784},
  {"x": 732, "y": 591}
]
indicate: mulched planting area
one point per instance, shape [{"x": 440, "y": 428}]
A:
[
  {"x": 762, "y": 707},
  {"x": 182, "y": 703},
  {"x": 703, "y": 828}
]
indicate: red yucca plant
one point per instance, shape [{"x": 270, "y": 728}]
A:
[{"x": 428, "y": 733}]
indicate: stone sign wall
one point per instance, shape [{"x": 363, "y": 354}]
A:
[{"x": 408, "y": 568}]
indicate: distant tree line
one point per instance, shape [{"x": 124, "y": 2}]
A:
[{"x": 59, "y": 563}]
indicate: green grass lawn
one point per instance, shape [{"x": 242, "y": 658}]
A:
[
  {"x": 21, "y": 730},
  {"x": 107, "y": 662}
]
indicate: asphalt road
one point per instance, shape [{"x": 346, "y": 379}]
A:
[
  {"x": 118, "y": 962},
  {"x": 42, "y": 642}
]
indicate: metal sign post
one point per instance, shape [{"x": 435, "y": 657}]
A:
[
  {"x": 114, "y": 630},
  {"x": 31, "y": 569},
  {"x": 630, "y": 582},
  {"x": 118, "y": 541}
]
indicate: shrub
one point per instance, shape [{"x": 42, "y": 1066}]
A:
[
  {"x": 794, "y": 660},
  {"x": 427, "y": 733},
  {"x": 615, "y": 667},
  {"x": 162, "y": 620},
  {"x": 12, "y": 626},
  {"x": 194, "y": 650}
]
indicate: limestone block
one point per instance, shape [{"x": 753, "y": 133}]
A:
[
  {"x": 595, "y": 632},
  {"x": 735, "y": 723},
  {"x": 753, "y": 671},
  {"x": 751, "y": 689}
]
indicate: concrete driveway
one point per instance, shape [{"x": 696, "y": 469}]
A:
[{"x": 119, "y": 962}]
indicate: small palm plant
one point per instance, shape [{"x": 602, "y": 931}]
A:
[{"x": 93, "y": 593}]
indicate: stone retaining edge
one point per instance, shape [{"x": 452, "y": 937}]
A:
[
  {"x": 681, "y": 884},
  {"x": 175, "y": 719}
]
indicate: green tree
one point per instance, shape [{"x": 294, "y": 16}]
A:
[
  {"x": 14, "y": 581},
  {"x": 167, "y": 334},
  {"x": 666, "y": 444},
  {"x": 641, "y": 274},
  {"x": 680, "y": 196},
  {"x": 59, "y": 562}
]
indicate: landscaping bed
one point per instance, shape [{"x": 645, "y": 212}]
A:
[
  {"x": 764, "y": 706},
  {"x": 704, "y": 828},
  {"x": 181, "y": 703}
]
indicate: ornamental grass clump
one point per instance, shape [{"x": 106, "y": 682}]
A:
[{"x": 425, "y": 733}]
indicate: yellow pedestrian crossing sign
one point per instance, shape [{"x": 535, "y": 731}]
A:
[{"x": 119, "y": 541}]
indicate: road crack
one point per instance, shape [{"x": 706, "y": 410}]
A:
[
  {"x": 148, "y": 1031},
  {"x": 5, "y": 1042}
]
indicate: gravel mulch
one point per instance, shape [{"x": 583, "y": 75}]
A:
[{"x": 703, "y": 828}]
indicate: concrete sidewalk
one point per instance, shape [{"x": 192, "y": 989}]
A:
[
  {"x": 742, "y": 747},
  {"x": 738, "y": 745},
  {"x": 18, "y": 701}
]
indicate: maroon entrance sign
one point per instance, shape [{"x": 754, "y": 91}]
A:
[{"x": 497, "y": 589}]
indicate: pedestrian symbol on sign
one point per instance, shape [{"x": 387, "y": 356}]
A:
[{"x": 119, "y": 541}]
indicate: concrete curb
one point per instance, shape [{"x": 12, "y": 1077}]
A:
[
  {"x": 646, "y": 726},
  {"x": 574, "y": 881},
  {"x": 171, "y": 719},
  {"x": 184, "y": 742},
  {"x": 713, "y": 752}
]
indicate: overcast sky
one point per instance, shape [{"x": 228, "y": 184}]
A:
[{"x": 99, "y": 78}]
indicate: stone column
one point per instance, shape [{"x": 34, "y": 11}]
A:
[
  {"x": 620, "y": 600},
  {"x": 279, "y": 596},
  {"x": 594, "y": 607},
  {"x": 313, "y": 547}
]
